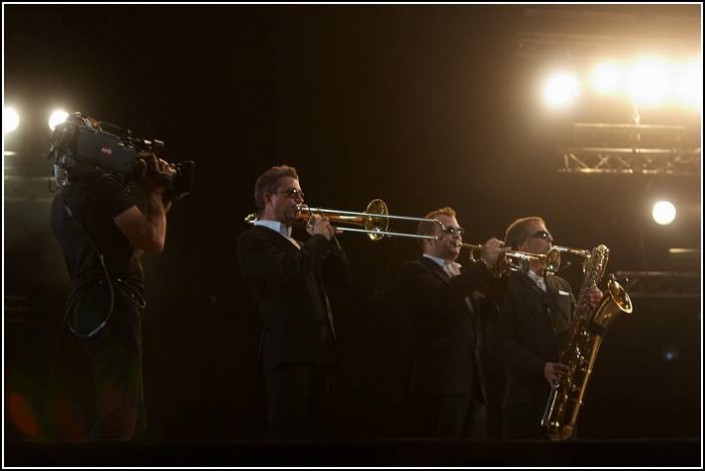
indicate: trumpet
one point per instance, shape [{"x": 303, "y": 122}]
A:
[
  {"x": 374, "y": 220},
  {"x": 475, "y": 251},
  {"x": 519, "y": 261}
]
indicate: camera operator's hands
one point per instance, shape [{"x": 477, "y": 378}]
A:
[{"x": 154, "y": 173}]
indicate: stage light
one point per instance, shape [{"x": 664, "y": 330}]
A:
[
  {"x": 663, "y": 212},
  {"x": 561, "y": 90},
  {"x": 57, "y": 117},
  {"x": 690, "y": 84},
  {"x": 670, "y": 353},
  {"x": 607, "y": 78},
  {"x": 10, "y": 119},
  {"x": 649, "y": 81}
]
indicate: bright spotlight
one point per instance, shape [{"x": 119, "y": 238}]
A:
[
  {"x": 606, "y": 78},
  {"x": 561, "y": 89},
  {"x": 57, "y": 117},
  {"x": 650, "y": 81},
  {"x": 690, "y": 84},
  {"x": 10, "y": 120},
  {"x": 663, "y": 212}
]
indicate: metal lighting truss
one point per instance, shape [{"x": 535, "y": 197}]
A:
[
  {"x": 627, "y": 149},
  {"x": 660, "y": 284}
]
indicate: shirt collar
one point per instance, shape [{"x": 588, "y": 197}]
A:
[
  {"x": 276, "y": 226},
  {"x": 442, "y": 262},
  {"x": 538, "y": 279}
]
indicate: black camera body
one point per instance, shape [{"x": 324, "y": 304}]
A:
[{"x": 81, "y": 145}]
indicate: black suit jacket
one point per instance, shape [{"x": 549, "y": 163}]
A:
[
  {"x": 443, "y": 326},
  {"x": 533, "y": 329},
  {"x": 286, "y": 284}
]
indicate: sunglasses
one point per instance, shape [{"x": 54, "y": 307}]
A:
[
  {"x": 291, "y": 193},
  {"x": 453, "y": 230},
  {"x": 541, "y": 235}
]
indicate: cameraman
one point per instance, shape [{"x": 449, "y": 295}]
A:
[{"x": 102, "y": 234}]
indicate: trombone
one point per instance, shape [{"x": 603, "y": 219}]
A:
[{"x": 374, "y": 220}]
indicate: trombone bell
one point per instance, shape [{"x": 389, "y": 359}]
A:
[
  {"x": 552, "y": 260},
  {"x": 375, "y": 224},
  {"x": 375, "y": 218}
]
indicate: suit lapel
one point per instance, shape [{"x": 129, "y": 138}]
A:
[
  {"x": 435, "y": 269},
  {"x": 276, "y": 238},
  {"x": 314, "y": 283},
  {"x": 531, "y": 285},
  {"x": 445, "y": 278}
]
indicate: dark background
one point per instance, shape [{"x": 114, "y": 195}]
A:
[{"x": 422, "y": 106}]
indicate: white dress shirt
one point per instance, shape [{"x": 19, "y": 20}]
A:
[
  {"x": 539, "y": 280},
  {"x": 449, "y": 266},
  {"x": 279, "y": 227}
]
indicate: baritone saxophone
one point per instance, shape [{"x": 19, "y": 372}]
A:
[{"x": 588, "y": 330}]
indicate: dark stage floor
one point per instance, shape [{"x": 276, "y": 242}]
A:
[{"x": 464, "y": 453}]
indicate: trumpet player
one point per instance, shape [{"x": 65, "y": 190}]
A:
[
  {"x": 285, "y": 277},
  {"x": 445, "y": 388},
  {"x": 534, "y": 327}
]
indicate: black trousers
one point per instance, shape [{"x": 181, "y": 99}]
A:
[
  {"x": 115, "y": 355},
  {"x": 449, "y": 416},
  {"x": 296, "y": 394}
]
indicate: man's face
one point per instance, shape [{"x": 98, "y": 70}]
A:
[
  {"x": 449, "y": 242},
  {"x": 539, "y": 240},
  {"x": 280, "y": 205}
]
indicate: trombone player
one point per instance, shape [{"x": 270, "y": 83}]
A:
[
  {"x": 285, "y": 277},
  {"x": 534, "y": 327},
  {"x": 445, "y": 390}
]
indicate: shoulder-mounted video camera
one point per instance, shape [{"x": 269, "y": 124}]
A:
[{"x": 80, "y": 146}]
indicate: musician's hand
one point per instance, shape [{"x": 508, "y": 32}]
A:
[
  {"x": 318, "y": 224},
  {"x": 554, "y": 372},
  {"x": 595, "y": 297},
  {"x": 492, "y": 250}
]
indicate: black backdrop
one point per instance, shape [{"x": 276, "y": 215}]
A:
[{"x": 422, "y": 106}]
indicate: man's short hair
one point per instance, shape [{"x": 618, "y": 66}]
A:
[
  {"x": 268, "y": 182},
  {"x": 429, "y": 227},
  {"x": 518, "y": 231}
]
